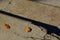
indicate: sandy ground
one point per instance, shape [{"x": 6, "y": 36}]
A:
[{"x": 36, "y": 11}]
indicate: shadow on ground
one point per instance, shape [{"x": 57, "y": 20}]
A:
[
  {"x": 37, "y": 0},
  {"x": 50, "y": 28}
]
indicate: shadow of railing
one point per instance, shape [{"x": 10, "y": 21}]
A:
[{"x": 50, "y": 28}]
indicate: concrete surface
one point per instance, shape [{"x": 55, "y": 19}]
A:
[
  {"x": 37, "y": 11},
  {"x": 50, "y": 2},
  {"x": 17, "y": 30}
]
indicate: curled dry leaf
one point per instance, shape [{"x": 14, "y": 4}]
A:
[
  {"x": 28, "y": 29},
  {"x": 7, "y": 26}
]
